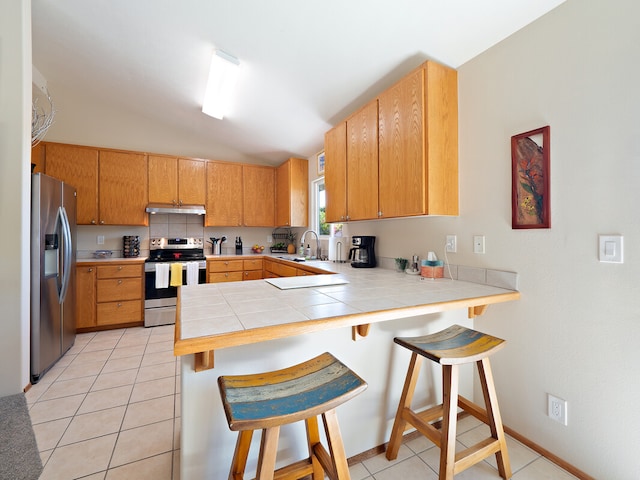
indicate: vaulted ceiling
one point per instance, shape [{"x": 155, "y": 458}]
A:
[{"x": 306, "y": 65}]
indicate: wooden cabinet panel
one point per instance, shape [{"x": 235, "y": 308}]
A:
[
  {"x": 123, "y": 192},
  {"x": 292, "y": 193},
  {"x": 252, "y": 275},
  {"x": 224, "y": 195},
  {"x": 38, "y": 158},
  {"x": 192, "y": 184},
  {"x": 218, "y": 277},
  {"x": 253, "y": 264},
  {"x": 302, "y": 273},
  {"x": 85, "y": 297},
  {"x": 335, "y": 173},
  {"x": 442, "y": 140},
  {"x": 116, "y": 313},
  {"x": 77, "y": 166},
  {"x": 362, "y": 163},
  {"x": 115, "y": 289},
  {"x": 109, "y": 295},
  {"x": 120, "y": 271},
  {"x": 225, "y": 265},
  {"x": 401, "y": 154},
  {"x": 163, "y": 179},
  {"x": 258, "y": 196}
]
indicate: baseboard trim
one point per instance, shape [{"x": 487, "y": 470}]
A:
[{"x": 509, "y": 431}]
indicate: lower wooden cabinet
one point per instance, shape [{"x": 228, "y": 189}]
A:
[
  {"x": 252, "y": 269},
  {"x": 109, "y": 295},
  {"x": 225, "y": 270}
]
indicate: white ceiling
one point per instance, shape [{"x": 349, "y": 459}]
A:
[{"x": 306, "y": 65}]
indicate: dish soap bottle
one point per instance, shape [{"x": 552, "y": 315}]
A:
[
  {"x": 301, "y": 250},
  {"x": 307, "y": 251}
]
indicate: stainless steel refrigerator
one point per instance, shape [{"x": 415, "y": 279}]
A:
[{"x": 53, "y": 291}]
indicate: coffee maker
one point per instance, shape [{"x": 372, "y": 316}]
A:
[{"x": 362, "y": 254}]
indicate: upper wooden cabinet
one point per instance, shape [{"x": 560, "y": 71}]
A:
[
  {"x": 335, "y": 173},
  {"x": 37, "y": 158},
  {"x": 77, "y": 166},
  {"x": 177, "y": 181},
  {"x": 123, "y": 190},
  {"x": 400, "y": 152},
  {"x": 258, "y": 196},
  {"x": 418, "y": 144},
  {"x": 224, "y": 195},
  {"x": 292, "y": 193},
  {"x": 362, "y": 163}
]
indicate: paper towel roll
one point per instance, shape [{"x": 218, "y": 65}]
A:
[{"x": 339, "y": 249}]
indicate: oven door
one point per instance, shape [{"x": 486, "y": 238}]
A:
[{"x": 160, "y": 303}]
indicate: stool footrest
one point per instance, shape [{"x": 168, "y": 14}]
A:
[
  {"x": 294, "y": 471},
  {"x": 474, "y": 454}
]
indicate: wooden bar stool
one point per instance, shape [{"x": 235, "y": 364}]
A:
[
  {"x": 265, "y": 401},
  {"x": 451, "y": 348}
]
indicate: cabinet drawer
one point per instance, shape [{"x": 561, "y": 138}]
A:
[
  {"x": 253, "y": 264},
  {"x": 225, "y": 265},
  {"x": 301, "y": 273},
  {"x": 119, "y": 271},
  {"x": 217, "y": 277},
  {"x": 283, "y": 270},
  {"x": 111, "y": 290},
  {"x": 252, "y": 275},
  {"x": 113, "y": 313}
]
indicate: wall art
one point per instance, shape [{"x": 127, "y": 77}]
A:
[
  {"x": 321, "y": 163},
  {"x": 530, "y": 202}
]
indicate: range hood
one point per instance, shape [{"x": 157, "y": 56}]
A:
[{"x": 164, "y": 208}]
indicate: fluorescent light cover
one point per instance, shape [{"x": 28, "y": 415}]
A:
[{"x": 223, "y": 76}]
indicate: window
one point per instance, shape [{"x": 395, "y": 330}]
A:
[{"x": 318, "y": 206}]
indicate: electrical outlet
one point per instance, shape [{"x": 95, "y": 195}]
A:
[
  {"x": 557, "y": 409},
  {"x": 451, "y": 244},
  {"x": 100, "y": 240}
]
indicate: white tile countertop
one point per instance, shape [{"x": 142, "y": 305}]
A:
[{"x": 220, "y": 315}]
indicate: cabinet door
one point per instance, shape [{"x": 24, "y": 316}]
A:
[
  {"x": 292, "y": 193},
  {"x": 362, "y": 163},
  {"x": 37, "y": 158},
  {"x": 192, "y": 183},
  {"x": 163, "y": 179},
  {"x": 123, "y": 188},
  {"x": 401, "y": 155},
  {"x": 259, "y": 196},
  {"x": 224, "y": 195},
  {"x": 77, "y": 166},
  {"x": 335, "y": 173},
  {"x": 85, "y": 297},
  {"x": 442, "y": 139}
]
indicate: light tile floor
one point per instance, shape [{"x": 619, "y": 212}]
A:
[{"x": 110, "y": 409}]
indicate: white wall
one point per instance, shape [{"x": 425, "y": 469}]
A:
[
  {"x": 575, "y": 332},
  {"x": 15, "y": 151}
]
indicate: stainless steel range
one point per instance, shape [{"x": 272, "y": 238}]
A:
[{"x": 160, "y": 301}]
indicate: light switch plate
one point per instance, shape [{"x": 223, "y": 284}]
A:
[{"x": 610, "y": 248}]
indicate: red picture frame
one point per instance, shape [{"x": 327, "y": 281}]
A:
[{"x": 530, "y": 196}]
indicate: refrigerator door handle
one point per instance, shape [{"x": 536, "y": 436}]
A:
[{"x": 66, "y": 253}]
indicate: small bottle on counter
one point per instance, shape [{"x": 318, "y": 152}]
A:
[
  {"x": 307, "y": 251},
  {"x": 238, "y": 245},
  {"x": 301, "y": 250}
]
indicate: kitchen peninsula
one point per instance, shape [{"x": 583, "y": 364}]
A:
[{"x": 254, "y": 326}]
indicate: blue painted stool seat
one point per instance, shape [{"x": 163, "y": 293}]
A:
[{"x": 265, "y": 401}]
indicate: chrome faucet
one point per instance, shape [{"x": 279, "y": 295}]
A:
[{"x": 318, "y": 252}]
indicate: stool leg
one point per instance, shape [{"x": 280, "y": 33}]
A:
[
  {"x": 450, "y": 387},
  {"x": 493, "y": 413},
  {"x": 240, "y": 455},
  {"x": 313, "y": 439},
  {"x": 336, "y": 447},
  {"x": 399, "y": 424},
  {"x": 268, "y": 451}
]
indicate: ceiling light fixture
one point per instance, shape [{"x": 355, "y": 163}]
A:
[{"x": 223, "y": 76}]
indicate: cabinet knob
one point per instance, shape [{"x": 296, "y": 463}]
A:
[
  {"x": 101, "y": 222},
  {"x": 119, "y": 305},
  {"x": 379, "y": 214},
  {"x": 226, "y": 263},
  {"x": 119, "y": 267},
  {"x": 93, "y": 222},
  {"x": 246, "y": 274},
  {"x": 119, "y": 282},
  {"x": 226, "y": 274},
  {"x": 90, "y": 270}
]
